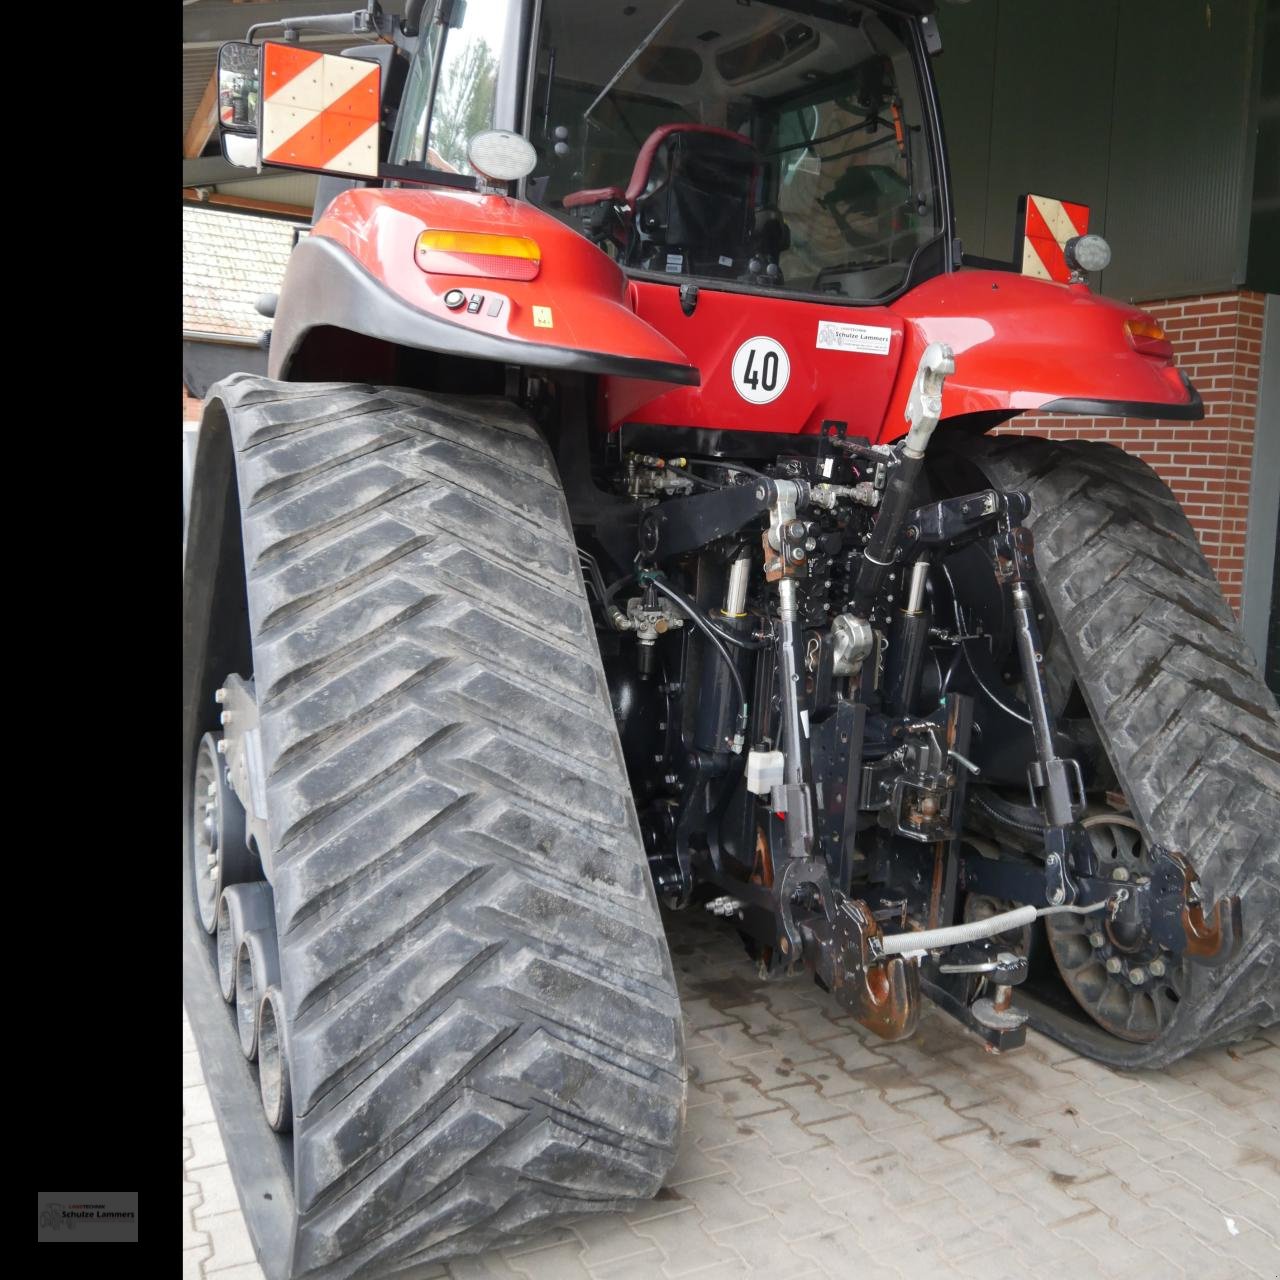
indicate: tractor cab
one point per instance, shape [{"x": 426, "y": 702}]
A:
[{"x": 787, "y": 147}]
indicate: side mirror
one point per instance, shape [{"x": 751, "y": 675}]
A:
[{"x": 239, "y": 98}]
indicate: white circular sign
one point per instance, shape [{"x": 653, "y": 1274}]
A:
[{"x": 761, "y": 370}]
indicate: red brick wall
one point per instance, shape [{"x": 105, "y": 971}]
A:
[
  {"x": 191, "y": 407},
  {"x": 1218, "y": 342}
]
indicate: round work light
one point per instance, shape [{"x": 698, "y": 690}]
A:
[{"x": 501, "y": 156}]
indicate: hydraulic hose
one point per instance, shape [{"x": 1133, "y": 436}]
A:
[
  {"x": 694, "y": 614},
  {"x": 924, "y": 408},
  {"x": 897, "y": 944}
]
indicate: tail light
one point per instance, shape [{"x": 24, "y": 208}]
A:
[
  {"x": 478, "y": 253},
  {"x": 1148, "y": 337}
]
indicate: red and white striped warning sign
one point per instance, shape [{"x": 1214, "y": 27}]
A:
[
  {"x": 1047, "y": 226},
  {"x": 319, "y": 111}
]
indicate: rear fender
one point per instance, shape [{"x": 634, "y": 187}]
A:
[
  {"x": 358, "y": 271},
  {"x": 1033, "y": 345}
]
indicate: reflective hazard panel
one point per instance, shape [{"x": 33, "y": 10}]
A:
[
  {"x": 319, "y": 111},
  {"x": 1044, "y": 227}
]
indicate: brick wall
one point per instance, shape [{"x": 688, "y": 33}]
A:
[
  {"x": 191, "y": 407},
  {"x": 1217, "y": 340}
]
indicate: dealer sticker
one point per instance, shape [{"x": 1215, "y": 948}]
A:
[{"x": 836, "y": 336}]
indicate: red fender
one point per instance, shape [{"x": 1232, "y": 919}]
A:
[
  {"x": 359, "y": 270},
  {"x": 1026, "y": 344}
]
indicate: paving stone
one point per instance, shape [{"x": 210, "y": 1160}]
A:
[
  {"x": 903, "y": 1185},
  {"x": 755, "y": 1166},
  {"x": 231, "y": 1243},
  {"x": 245, "y": 1271},
  {"x": 192, "y": 1260},
  {"x": 759, "y": 1242},
  {"x": 191, "y": 1072},
  {"x": 218, "y": 1192},
  {"x": 732, "y": 1042},
  {"x": 206, "y": 1146},
  {"x": 941, "y": 1120},
  {"x": 193, "y": 1237},
  {"x": 561, "y": 1262},
  {"x": 742, "y": 1097},
  {"x": 693, "y": 1163},
  {"x": 807, "y": 1104},
  {"x": 783, "y": 1135},
  {"x": 707, "y": 1066},
  {"x": 197, "y": 1106},
  {"x": 853, "y": 1052},
  {"x": 688, "y": 1243},
  {"x": 796, "y": 1212},
  {"x": 721, "y": 1203},
  {"x": 699, "y": 1013},
  {"x": 867, "y": 1113},
  {"x": 642, "y": 1266},
  {"x": 1113, "y": 1251}
]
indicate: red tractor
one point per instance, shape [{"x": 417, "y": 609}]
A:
[{"x": 621, "y": 524}]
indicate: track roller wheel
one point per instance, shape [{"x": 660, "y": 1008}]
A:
[
  {"x": 220, "y": 856},
  {"x": 241, "y": 909},
  {"x": 273, "y": 1062},
  {"x": 257, "y": 968}
]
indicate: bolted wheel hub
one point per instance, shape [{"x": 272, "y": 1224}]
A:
[
  {"x": 219, "y": 853},
  {"x": 1125, "y": 981}
]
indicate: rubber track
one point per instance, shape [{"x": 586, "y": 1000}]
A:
[
  {"x": 1187, "y": 722},
  {"x": 483, "y": 1020}
]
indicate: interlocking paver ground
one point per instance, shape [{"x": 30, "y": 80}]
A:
[{"x": 812, "y": 1149}]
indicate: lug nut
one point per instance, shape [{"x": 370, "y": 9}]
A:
[
  {"x": 222, "y": 746},
  {"x": 1113, "y": 964},
  {"x": 220, "y": 696},
  {"x": 1157, "y": 968},
  {"x": 1120, "y": 873},
  {"x": 225, "y": 717},
  {"x": 1097, "y": 940},
  {"x": 1137, "y": 977}
]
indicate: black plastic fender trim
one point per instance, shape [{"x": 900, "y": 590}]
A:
[
  {"x": 1191, "y": 411},
  {"x": 325, "y": 286}
]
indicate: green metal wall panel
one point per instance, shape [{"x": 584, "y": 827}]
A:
[
  {"x": 1141, "y": 109},
  {"x": 1051, "y": 123},
  {"x": 1181, "y": 154},
  {"x": 966, "y": 86}
]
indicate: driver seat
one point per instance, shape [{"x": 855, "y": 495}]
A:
[{"x": 690, "y": 204}]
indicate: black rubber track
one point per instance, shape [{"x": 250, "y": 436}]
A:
[
  {"x": 481, "y": 1011},
  {"x": 1188, "y": 724}
]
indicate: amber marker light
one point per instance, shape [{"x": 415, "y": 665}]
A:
[
  {"x": 1148, "y": 337},
  {"x": 478, "y": 253}
]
